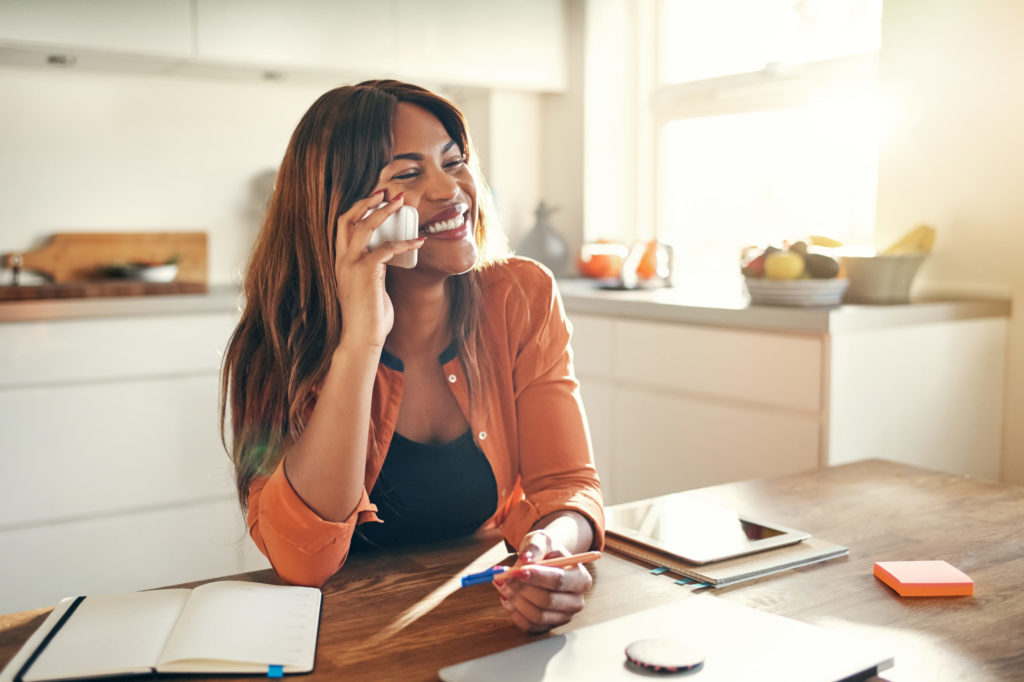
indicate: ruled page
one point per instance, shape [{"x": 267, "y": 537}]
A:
[{"x": 244, "y": 627}]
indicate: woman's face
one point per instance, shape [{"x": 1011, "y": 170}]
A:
[{"x": 432, "y": 171}]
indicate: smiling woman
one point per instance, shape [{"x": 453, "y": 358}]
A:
[{"x": 374, "y": 405}]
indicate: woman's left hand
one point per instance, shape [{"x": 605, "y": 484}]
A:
[{"x": 542, "y": 597}]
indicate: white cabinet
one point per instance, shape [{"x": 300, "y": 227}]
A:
[
  {"x": 673, "y": 407},
  {"x": 511, "y": 45},
  {"x": 516, "y": 45},
  {"x": 114, "y": 476},
  {"x": 351, "y": 35},
  {"x": 458, "y": 42},
  {"x": 161, "y": 28},
  {"x": 930, "y": 395}
]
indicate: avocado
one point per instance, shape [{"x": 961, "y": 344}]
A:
[{"x": 821, "y": 266}]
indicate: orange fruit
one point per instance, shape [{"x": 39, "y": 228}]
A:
[
  {"x": 601, "y": 260},
  {"x": 648, "y": 266}
]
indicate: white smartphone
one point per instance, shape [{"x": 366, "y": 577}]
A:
[{"x": 400, "y": 226}]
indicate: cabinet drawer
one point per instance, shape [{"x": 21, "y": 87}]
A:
[
  {"x": 59, "y": 351},
  {"x": 96, "y": 448},
  {"x": 668, "y": 443},
  {"x": 123, "y": 553},
  {"x": 782, "y": 370}
]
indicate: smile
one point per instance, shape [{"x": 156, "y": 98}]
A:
[{"x": 446, "y": 225}]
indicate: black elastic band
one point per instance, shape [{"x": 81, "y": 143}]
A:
[{"x": 49, "y": 637}]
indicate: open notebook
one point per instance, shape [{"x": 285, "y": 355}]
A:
[
  {"x": 737, "y": 643},
  {"x": 220, "y": 627}
]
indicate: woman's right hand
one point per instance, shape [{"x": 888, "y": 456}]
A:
[{"x": 367, "y": 313}]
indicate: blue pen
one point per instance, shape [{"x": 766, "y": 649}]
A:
[
  {"x": 483, "y": 576},
  {"x": 557, "y": 562}
]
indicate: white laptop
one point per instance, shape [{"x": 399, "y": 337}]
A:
[{"x": 737, "y": 643}]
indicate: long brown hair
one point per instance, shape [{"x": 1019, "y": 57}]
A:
[{"x": 281, "y": 349}]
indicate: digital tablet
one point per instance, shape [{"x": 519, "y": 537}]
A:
[{"x": 694, "y": 531}]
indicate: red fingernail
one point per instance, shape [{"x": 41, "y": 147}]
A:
[
  {"x": 523, "y": 575},
  {"x": 398, "y": 196}
]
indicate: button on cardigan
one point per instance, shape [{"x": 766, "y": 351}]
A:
[{"x": 528, "y": 420}]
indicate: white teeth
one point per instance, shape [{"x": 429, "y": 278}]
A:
[{"x": 446, "y": 225}]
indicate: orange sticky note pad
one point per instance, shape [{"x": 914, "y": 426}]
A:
[{"x": 924, "y": 578}]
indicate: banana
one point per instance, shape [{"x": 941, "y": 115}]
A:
[
  {"x": 918, "y": 240},
  {"x": 827, "y": 242}
]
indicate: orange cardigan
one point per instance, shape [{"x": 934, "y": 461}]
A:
[{"x": 529, "y": 423}]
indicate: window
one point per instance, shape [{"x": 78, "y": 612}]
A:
[{"x": 766, "y": 124}]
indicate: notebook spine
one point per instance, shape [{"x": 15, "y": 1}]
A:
[
  {"x": 656, "y": 560},
  {"x": 49, "y": 638}
]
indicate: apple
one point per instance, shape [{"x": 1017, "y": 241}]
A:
[
  {"x": 755, "y": 267},
  {"x": 783, "y": 265}
]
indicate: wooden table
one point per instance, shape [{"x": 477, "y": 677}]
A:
[{"x": 399, "y": 615}]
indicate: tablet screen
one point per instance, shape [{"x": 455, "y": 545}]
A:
[{"x": 696, "y": 531}]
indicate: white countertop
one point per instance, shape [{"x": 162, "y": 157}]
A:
[
  {"x": 732, "y": 308},
  {"x": 220, "y": 298},
  {"x": 681, "y": 305}
]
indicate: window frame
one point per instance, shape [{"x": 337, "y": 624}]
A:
[{"x": 776, "y": 86}]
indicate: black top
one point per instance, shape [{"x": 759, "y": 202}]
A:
[{"x": 429, "y": 492}]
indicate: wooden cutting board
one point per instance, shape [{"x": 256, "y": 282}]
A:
[{"x": 75, "y": 256}]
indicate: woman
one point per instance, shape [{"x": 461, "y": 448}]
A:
[{"x": 375, "y": 405}]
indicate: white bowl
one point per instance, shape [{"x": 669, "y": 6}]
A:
[
  {"x": 796, "y": 292},
  {"x": 157, "y": 273},
  {"x": 881, "y": 279}
]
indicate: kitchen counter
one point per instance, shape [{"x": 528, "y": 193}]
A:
[
  {"x": 726, "y": 308},
  {"x": 220, "y": 298},
  {"x": 680, "y": 304}
]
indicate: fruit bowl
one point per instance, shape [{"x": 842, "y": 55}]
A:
[{"x": 796, "y": 292}]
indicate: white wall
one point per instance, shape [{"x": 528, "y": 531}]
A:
[
  {"x": 954, "y": 157},
  {"x": 610, "y": 122},
  {"x": 561, "y": 151},
  {"x": 86, "y": 151},
  {"x": 91, "y": 151},
  {"x": 506, "y": 130}
]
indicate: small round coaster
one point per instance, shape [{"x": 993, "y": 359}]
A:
[{"x": 663, "y": 655}]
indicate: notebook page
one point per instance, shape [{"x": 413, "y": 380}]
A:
[
  {"x": 242, "y": 622},
  {"x": 108, "y": 634}
]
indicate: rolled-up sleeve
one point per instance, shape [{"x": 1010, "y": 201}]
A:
[
  {"x": 556, "y": 463},
  {"x": 303, "y": 548}
]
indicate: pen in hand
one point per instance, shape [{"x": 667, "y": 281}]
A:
[{"x": 507, "y": 572}]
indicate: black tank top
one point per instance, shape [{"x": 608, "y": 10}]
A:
[{"x": 429, "y": 492}]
